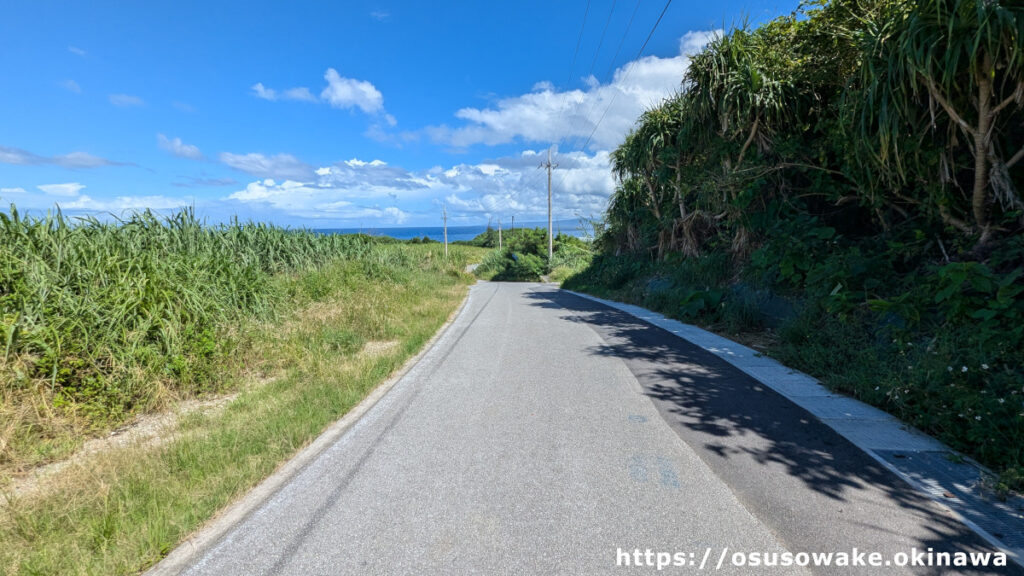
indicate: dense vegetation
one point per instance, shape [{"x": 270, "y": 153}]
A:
[
  {"x": 523, "y": 255},
  {"x": 100, "y": 320},
  {"x": 849, "y": 175}
]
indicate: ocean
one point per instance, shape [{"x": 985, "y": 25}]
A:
[{"x": 455, "y": 233}]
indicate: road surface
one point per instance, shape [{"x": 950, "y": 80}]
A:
[{"x": 547, "y": 434}]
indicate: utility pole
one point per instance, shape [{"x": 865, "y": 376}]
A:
[
  {"x": 513, "y": 222},
  {"x": 444, "y": 218},
  {"x": 499, "y": 233},
  {"x": 551, "y": 240}
]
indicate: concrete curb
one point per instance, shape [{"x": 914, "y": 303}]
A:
[
  {"x": 867, "y": 427},
  {"x": 208, "y": 535}
]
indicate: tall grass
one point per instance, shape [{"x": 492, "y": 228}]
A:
[
  {"x": 340, "y": 327},
  {"x": 101, "y": 319}
]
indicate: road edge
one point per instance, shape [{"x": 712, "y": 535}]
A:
[
  {"x": 227, "y": 518},
  {"x": 759, "y": 372}
]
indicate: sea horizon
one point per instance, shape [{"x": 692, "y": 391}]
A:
[{"x": 455, "y": 233}]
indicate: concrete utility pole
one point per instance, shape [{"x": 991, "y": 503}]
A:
[
  {"x": 513, "y": 222},
  {"x": 499, "y": 233},
  {"x": 551, "y": 239},
  {"x": 444, "y": 218}
]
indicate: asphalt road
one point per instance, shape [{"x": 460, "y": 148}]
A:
[{"x": 547, "y": 434}]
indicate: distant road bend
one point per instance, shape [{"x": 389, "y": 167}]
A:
[{"x": 547, "y": 434}]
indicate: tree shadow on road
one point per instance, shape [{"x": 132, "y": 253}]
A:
[{"x": 743, "y": 425}]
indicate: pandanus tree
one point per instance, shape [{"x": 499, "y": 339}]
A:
[
  {"x": 743, "y": 82},
  {"x": 742, "y": 86},
  {"x": 626, "y": 217},
  {"x": 950, "y": 72},
  {"x": 642, "y": 155},
  {"x": 655, "y": 154}
]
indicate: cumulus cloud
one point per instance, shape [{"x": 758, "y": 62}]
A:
[
  {"x": 547, "y": 115},
  {"x": 263, "y": 92},
  {"x": 125, "y": 100},
  {"x": 281, "y": 166},
  {"x": 358, "y": 191},
  {"x": 318, "y": 201},
  {"x": 17, "y": 156},
  {"x": 178, "y": 148},
  {"x": 344, "y": 92},
  {"x": 341, "y": 92},
  {"x": 515, "y": 185},
  {"x": 71, "y": 86}
]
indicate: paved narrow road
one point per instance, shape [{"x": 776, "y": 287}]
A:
[{"x": 544, "y": 432}]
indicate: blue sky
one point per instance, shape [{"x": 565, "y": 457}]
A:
[{"x": 334, "y": 114}]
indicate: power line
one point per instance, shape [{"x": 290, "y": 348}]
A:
[
  {"x": 629, "y": 70},
  {"x": 600, "y": 42},
  {"x": 625, "y": 76},
  {"x": 572, "y": 67},
  {"x": 579, "y": 40},
  {"x": 611, "y": 63}
]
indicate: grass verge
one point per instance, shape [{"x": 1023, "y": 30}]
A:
[{"x": 345, "y": 327}]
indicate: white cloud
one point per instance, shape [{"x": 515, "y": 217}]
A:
[
  {"x": 178, "y": 148},
  {"x": 67, "y": 190},
  {"x": 71, "y": 86},
  {"x": 344, "y": 93},
  {"x": 262, "y": 91},
  {"x": 313, "y": 201},
  {"x": 17, "y": 156},
  {"x": 125, "y": 100},
  {"x": 183, "y": 107},
  {"x": 367, "y": 191},
  {"x": 283, "y": 166},
  {"x": 340, "y": 92},
  {"x": 511, "y": 185},
  {"x": 69, "y": 198},
  {"x": 123, "y": 204},
  {"x": 546, "y": 115},
  {"x": 380, "y": 15},
  {"x": 76, "y": 51},
  {"x": 695, "y": 41},
  {"x": 356, "y": 191},
  {"x": 301, "y": 93}
]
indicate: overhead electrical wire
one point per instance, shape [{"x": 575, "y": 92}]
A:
[
  {"x": 625, "y": 76},
  {"x": 629, "y": 70},
  {"x": 572, "y": 68}
]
